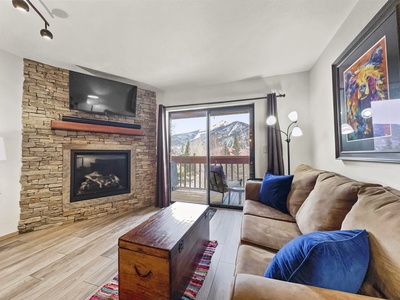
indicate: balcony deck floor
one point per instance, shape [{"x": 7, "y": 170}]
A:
[{"x": 200, "y": 196}]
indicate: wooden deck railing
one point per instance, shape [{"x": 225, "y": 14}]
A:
[{"x": 191, "y": 171}]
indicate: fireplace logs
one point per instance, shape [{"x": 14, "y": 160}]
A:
[{"x": 96, "y": 182}]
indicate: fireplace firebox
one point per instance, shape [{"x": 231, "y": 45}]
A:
[{"x": 99, "y": 173}]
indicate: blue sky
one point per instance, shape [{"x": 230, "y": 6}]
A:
[{"x": 192, "y": 124}]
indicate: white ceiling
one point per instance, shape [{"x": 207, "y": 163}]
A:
[{"x": 174, "y": 44}]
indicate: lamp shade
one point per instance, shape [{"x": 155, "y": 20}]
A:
[
  {"x": 293, "y": 116},
  {"x": 2, "y": 150},
  {"x": 271, "y": 120},
  {"x": 297, "y": 131}
]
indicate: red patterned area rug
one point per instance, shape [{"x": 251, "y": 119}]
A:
[{"x": 110, "y": 290}]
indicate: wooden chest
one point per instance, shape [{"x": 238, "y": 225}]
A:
[{"x": 157, "y": 258}]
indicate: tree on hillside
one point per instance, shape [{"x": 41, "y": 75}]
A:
[
  {"x": 214, "y": 143},
  {"x": 187, "y": 149},
  {"x": 236, "y": 146},
  {"x": 225, "y": 151}
]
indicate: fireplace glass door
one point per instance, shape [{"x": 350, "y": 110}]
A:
[{"x": 99, "y": 173}]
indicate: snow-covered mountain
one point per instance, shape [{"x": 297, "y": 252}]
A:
[{"x": 222, "y": 136}]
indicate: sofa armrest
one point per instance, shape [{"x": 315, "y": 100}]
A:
[
  {"x": 253, "y": 189},
  {"x": 246, "y": 286}
]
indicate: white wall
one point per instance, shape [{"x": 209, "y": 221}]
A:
[
  {"x": 11, "y": 80},
  {"x": 321, "y": 105},
  {"x": 295, "y": 86}
]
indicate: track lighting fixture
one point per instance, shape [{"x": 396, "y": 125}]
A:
[{"x": 23, "y": 5}]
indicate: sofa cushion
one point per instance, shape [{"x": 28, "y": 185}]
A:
[
  {"x": 335, "y": 260},
  {"x": 259, "y": 209},
  {"x": 378, "y": 211},
  {"x": 252, "y": 260},
  {"x": 274, "y": 191},
  {"x": 328, "y": 203},
  {"x": 303, "y": 183},
  {"x": 267, "y": 233}
]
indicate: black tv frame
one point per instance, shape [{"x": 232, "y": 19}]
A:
[{"x": 129, "y": 109}]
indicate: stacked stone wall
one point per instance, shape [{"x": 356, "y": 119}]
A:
[{"x": 46, "y": 98}]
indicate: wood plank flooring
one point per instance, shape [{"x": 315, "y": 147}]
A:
[{"x": 73, "y": 261}]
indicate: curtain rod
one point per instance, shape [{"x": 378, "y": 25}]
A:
[{"x": 227, "y": 101}]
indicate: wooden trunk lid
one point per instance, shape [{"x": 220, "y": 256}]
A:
[{"x": 163, "y": 231}]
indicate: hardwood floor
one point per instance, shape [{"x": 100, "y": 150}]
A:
[{"x": 73, "y": 261}]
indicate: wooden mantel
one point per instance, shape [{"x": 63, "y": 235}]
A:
[{"x": 64, "y": 125}]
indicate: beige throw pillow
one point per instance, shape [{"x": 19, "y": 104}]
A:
[
  {"x": 378, "y": 211},
  {"x": 303, "y": 183},
  {"x": 328, "y": 203}
]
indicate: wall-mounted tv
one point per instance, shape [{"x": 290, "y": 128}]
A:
[{"x": 101, "y": 96}]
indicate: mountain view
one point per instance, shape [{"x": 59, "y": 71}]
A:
[{"x": 226, "y": 138}]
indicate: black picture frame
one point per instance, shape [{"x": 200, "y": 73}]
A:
[{"x": 368, "y": 141}]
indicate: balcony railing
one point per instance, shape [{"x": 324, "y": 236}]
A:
[{"x": 191, "y": 171}]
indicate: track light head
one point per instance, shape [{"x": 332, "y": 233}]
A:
[
  {"x": 45, "y": 33},
  {"x": 21, "y": 5}
]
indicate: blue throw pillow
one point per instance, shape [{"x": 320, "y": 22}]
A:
[
  {"x": 275, "y": 190},
  {"x": 335, "y": 260}
]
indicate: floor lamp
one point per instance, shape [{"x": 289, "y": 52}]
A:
[
  {"x": 2, "y": 150},
  {"x": 290, "y": 131}
]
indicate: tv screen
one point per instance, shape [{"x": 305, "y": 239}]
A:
[{"x": 101, "y": 96}]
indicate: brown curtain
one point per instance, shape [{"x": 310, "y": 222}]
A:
[
  {"x": 274, "y": 139},
  {"x": 163, "y": 196}
]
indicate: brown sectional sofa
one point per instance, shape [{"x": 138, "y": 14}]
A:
[{"x": 318, "y": 201}]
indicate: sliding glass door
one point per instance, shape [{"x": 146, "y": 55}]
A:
[
  {"x": 230, "y": 151},
  {"x": 211, "y": 155},
  {"x": 188, "y": 156}
]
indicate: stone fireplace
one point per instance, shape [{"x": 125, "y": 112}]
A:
[
  {"x": 46, "y": 154},
  {"x": 79, "y": 164}
]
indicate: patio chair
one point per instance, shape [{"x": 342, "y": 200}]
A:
[{"x": 218, "y": 182}]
